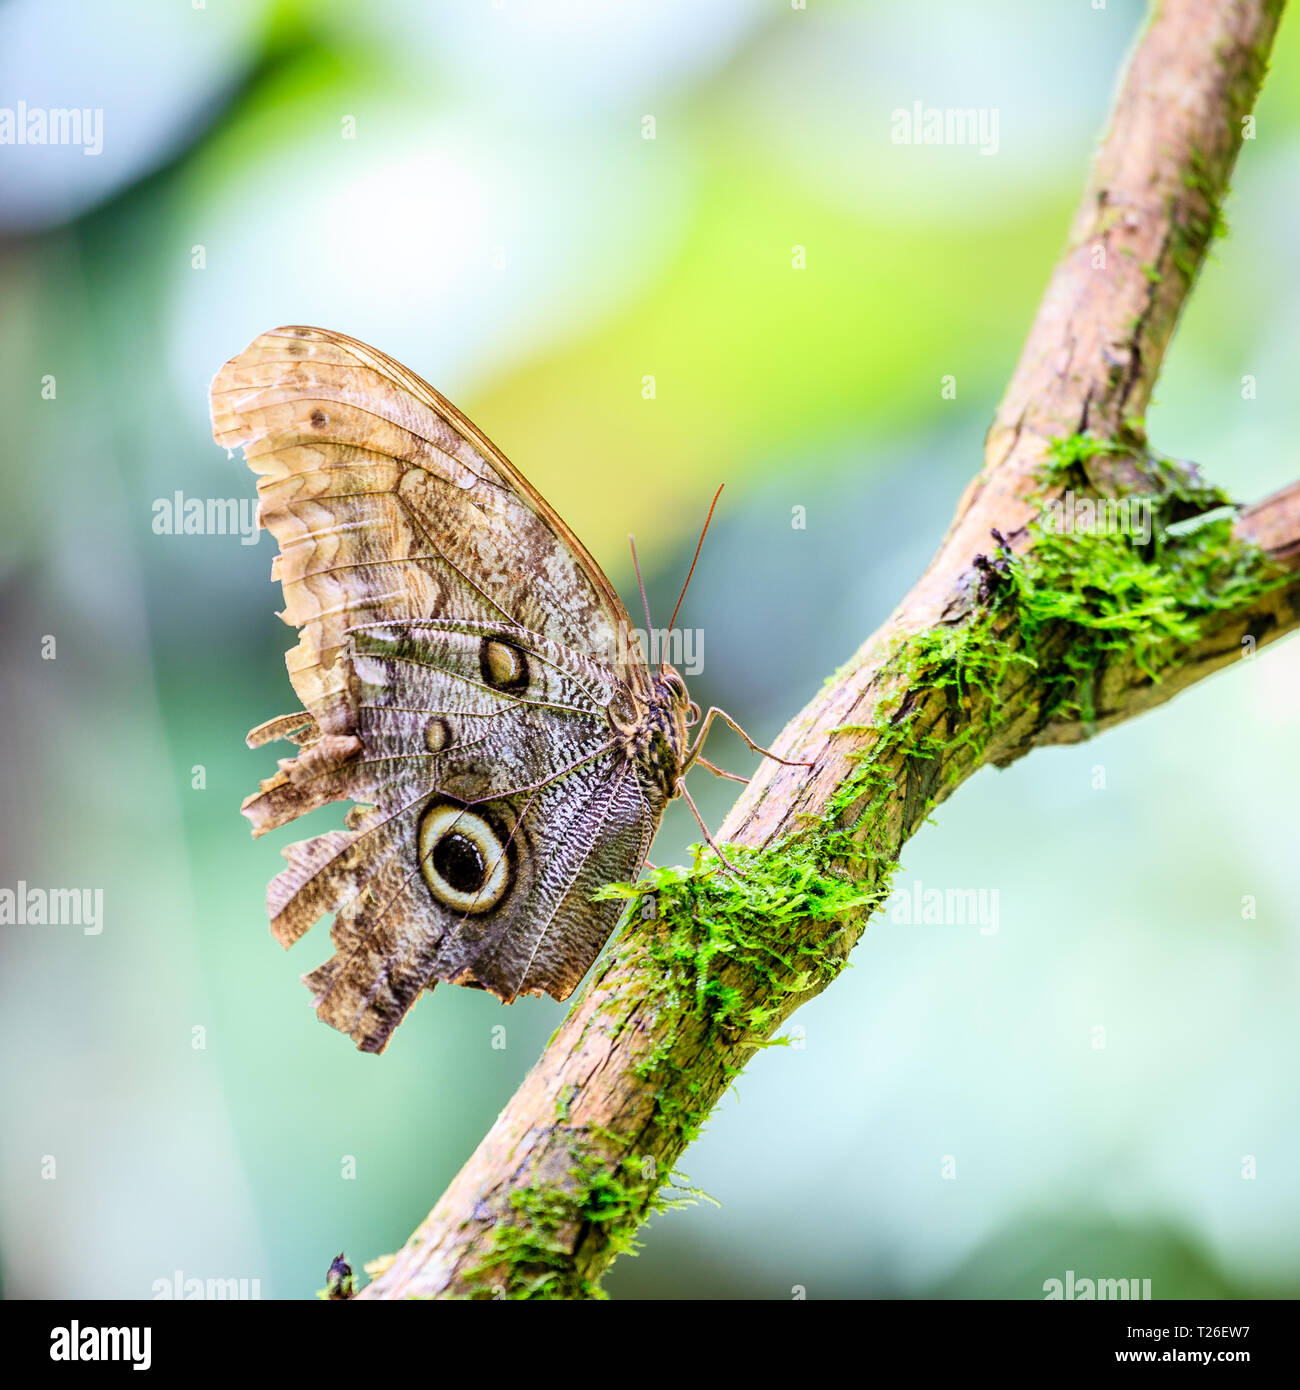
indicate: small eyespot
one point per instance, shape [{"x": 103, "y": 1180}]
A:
[
  {"x": 462, "y": 859},
  {"x": 622, "y": 711},
  {"x": 504, "y": 667},
  {"x": 437, "y": 735},
  {"x": 319, "y": 419}
]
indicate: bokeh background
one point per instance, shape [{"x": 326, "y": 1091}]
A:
[{"x": 500, "y": 221}]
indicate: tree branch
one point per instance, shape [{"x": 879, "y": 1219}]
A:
[{"x": 1016, "y": 636}]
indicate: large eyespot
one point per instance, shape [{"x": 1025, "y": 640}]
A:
[
  {"x": 463, "y": 859},
  {"x": 503, "y": 665}
]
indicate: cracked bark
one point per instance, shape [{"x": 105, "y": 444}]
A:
[{"x": 1089, "y": 364}]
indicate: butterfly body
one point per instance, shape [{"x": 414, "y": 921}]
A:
[
  {"x": 469, "y": 678},
  {"x": 656, "y": 736},
  {"x": 661, "y": 744}
]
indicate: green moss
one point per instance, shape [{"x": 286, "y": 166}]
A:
[
  {"x": 966, "y": 664},
  {"x": 1065, "y": 464},
  {"x": 1175, "y": 489},
  {"x": 703, "y": 918},
  {"x": 531, "y": 1252},
  {"x": 1193, "y": 231},
  {"x": 1148, "y": 605},
  {"x": 1115, "y": 594}
]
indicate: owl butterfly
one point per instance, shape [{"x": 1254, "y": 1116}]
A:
[{"x": 469, "y": 678}]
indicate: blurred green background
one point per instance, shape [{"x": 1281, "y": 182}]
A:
[{"x": 500, "y": 222}]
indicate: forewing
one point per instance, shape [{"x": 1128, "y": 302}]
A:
[{"x": 388, "y": 504}]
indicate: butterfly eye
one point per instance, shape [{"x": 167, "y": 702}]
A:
[{"x": 462, "y": 859}]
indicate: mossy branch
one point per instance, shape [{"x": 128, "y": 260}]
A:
[{"x": 1020, "y": 633}]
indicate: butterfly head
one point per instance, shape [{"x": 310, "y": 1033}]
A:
[{"x": 670, "y": 686}]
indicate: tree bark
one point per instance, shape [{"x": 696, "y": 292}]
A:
[{"x": 972, "y": 668}]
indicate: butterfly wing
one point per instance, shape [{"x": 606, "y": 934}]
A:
[
  {"x": 458, "y": 652},
  {"x": 388, "y": 503}
]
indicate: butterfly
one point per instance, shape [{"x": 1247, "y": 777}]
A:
[{"x": 469, "y": 679}]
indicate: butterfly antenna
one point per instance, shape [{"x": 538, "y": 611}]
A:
[
  {"x": 640, "y": 583},
  {"x": 672, "y": 622}
]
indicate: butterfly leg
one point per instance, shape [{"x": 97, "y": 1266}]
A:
[
  {"x": 694, "y": 755},
  {"x": 722, "y": 771},
  {"x": 709, "y": 840}
]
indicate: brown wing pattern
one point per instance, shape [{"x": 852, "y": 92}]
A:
[
  {"x": 388, "y": 504},
  {"x": 457, "y": 652},
  {"x": 556, "y": 798}
]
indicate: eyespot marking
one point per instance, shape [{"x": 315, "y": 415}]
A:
[
  {"x": 463, "y": 859},
  {"x": 437, "y": 735},
  {"x": 622, "y": 711},
  {"x": 504, "y": 667},
  {"x": 458, "y": 861}
]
